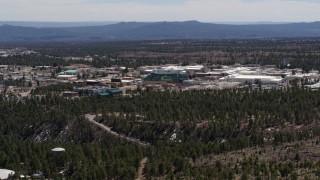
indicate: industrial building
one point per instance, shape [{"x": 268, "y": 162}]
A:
[
  {"x": 68, "y": 72},
  {"x": 67, "y": 77},
  {"x": 162, "y": 76},
  {"x": 252, "y": 79}
]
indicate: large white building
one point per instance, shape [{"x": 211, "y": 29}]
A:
[{"x": 246, "y": 79}]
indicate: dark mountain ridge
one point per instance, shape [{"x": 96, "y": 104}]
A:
[{"x": 158, "y": 31}]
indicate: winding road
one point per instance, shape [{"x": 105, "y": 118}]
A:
[{"x": 91, "y": 117}]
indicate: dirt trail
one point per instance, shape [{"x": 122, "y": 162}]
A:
[
  {"x": 90, "y": 118},
  {"x": 143, "y": 163}
]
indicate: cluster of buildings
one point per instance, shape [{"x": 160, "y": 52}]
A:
[
  {"x": 172, "y": 76},
  {"x": 103, "y": 81},
  {"x": 15, "y": 51},
  {"x": 221, "y": 77}
]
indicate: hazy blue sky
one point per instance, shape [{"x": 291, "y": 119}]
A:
[{"x": 160, "y": 10}]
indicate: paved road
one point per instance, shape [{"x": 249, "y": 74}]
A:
[
  {"x": 143, "y": 163},
  {"x": 90, "y": 118}
]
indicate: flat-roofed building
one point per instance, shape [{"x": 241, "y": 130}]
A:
[
  {"x": 67, "y": 77},
  {"x": 163, "y": 76},
  {"x": 252, "y": 79}
]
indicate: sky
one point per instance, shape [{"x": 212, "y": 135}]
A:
[{"x": 161, "y": 10}]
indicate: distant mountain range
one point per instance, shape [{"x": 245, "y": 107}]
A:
[
  {"x": 40, "y": 24},
  {"x": 158, "y": 31}
]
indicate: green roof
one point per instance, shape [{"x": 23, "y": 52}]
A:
[
  {"x": 114, "y": 91},
  {"x": 103, "y": 94},
  {"x": 169, "y": 78},
  {"x": 71, "y": 71}
]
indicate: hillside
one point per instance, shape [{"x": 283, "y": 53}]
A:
[
  {"x": 159, "y": 30},
  {"x": 202, "y": 134}
]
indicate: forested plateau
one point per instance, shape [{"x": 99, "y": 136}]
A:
[
  {"x": 204, "y": 134},
  {"x": 190, "y": 135}
]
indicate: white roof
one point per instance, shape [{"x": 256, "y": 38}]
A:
[
  {"x": 5, "y": 173},
  {"x": 126, "y": 81},
  {"x": 235, "y": 70},
  {"x": 254, "y": 77},
  {"x": 172, "y": 68},
  {"x": 246, "y": 72},
  {"x": 317, "y": 85},
  {"x": 295, "y": 76},
  {"x": 92, "y": 80},
  {"x": 66, "y": 76},
  {"x": 197, "y": 67},
  {"x": 58, "y": 149}
]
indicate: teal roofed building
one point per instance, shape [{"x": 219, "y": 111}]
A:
[
  {"x": 68, "y": 72},
  {"x": 114, "y": 91},
  {"x": 71, "y": 72},
  {"x": 103, "y": 94},
  {"x": 166, "y": 76}
]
